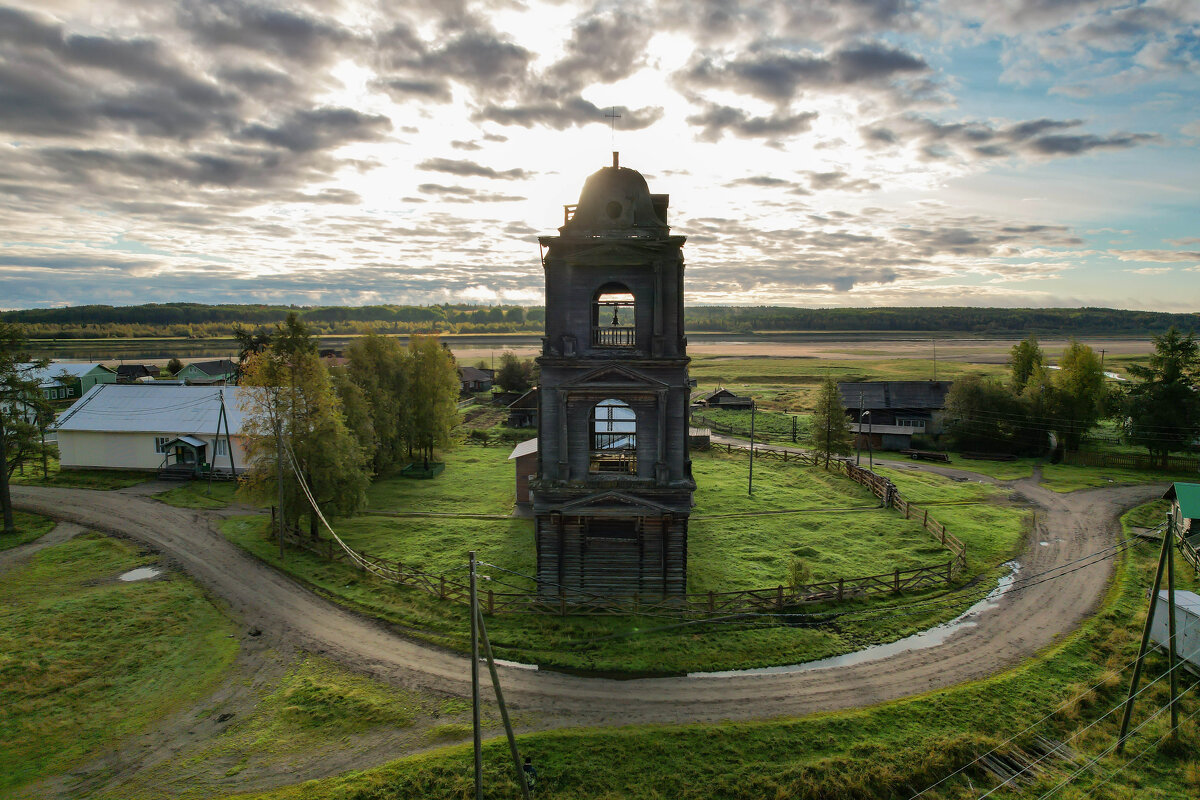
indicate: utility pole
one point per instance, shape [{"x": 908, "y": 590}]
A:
[
  {"x": 508, "y": 730},
  {"x": 858, "y": 438},
  {"x": 750, "y": 485},
  {"x": 870, "y": 446},
  {"x": 10, "y": 527},
  {"x": 1171, "y": 626},
  {"x": 279, "y": 471},
  {"x": 476, "y": 732},
  {"x": 1102, "y": 352},
  {"x": 795, "y": 419},
  {"x": 934, "y": 340},
  {"x": 1164, "y": 558}
]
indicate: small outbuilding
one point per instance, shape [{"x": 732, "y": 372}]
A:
[
  {"x": 131, "y": 373},
  {"x": 474, "y": 379},
  {"x": 723, "y": 398},
  {"x": 526, "y": 457},
  {"x": 523, "y": 412},
  {"x": 1185, "y": 503}
]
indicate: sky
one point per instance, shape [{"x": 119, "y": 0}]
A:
[{"x": 817, "y": 154}]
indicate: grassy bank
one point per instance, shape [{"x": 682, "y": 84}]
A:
[
  {"x": 315, "y": 712},
  {"x": 890, "y": 751},
  {"x": 29, "y": 527},
  {"x": 86, "y": 660}
]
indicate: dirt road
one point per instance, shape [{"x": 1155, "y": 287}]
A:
[{"x": 1070, "y": 525}]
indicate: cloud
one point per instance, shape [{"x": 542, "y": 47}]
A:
[
  {"x": 840, "y": 181},
  {"x": 716, "y": 120},
  {"x": 779, "y": 76},
  {"x": 979, "y": 140},
  {"x": 1151, "y": 270},
  {"x": 470, "y": 168},
  {"x": 461, "y": 194},
  {"x": 1157, "y": 256},
  {"x": 306, "y": 130},
  {"x": 571, "y": 113}
]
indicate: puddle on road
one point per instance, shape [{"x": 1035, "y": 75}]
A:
[
  {"x": 918, "y": 641},
  {"x": 140, "y": 574}
]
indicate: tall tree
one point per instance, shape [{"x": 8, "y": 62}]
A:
[
  {"x": 986, "y": 415},
  {"x": 1025, "y": 362},
  {"x": 378, "y": 365},
  {"x": 828, "y": 433},
  {"x": 250, "y": 343},
  {"x": 1163, "y": 402},
  {"x": 514, "y": 374},
  {"x": 24, "y": 413},
  {"x": 1078, "y": 393},
  {"x": 433, "y": 394},
  {"x": 294, "y": 395}
]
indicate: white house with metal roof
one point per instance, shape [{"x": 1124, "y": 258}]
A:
[{"x": 148, "y": 427}]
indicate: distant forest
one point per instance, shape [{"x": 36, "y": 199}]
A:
[{"x": 193, "y": 320}]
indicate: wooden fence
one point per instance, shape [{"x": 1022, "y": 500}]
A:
[
  {"x": 1132, "y": 461},
  {"x": 741, "y": 601}
]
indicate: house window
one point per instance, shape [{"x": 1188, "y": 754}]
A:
[
  {"x": 614, "y": 322},
  {"x": 70, "y": 391},
  {"x": 220, "y": 447},
  {"x": 160, "y": 443},
  {"x": 614, "y": 437}
]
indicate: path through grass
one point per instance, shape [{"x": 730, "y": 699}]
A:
[{"x": 86, "y": 660}]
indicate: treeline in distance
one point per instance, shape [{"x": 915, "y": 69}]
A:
[{"x": 195, "y": 320}]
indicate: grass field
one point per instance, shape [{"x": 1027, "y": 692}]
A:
[
  {"x": 200, "y": 494},
  {"x": 78, "y": 478},
  {"x": 889, "y": 751},
  {"x": 835, "y": 527},
  {"x": 29, "y": 527},
  {"x": 86, "y": 660},
  {"x": 315, "y": 710}
]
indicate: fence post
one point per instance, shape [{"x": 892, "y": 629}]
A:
[
  {"x": 562, "y": 603},
  {"x": 841, "y": 589},
  {"x": 950, "y": 570},
  {"x": 779, "y": 597},
  {"x": 711, "y": 602},
  {"x": 925, "y": 522},
  {"x": 491, "y": 602},
  {"x": 896, "y": 582},
  {"x": 907, "y": 508}
]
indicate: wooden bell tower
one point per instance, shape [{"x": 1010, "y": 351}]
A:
[{"x": 614, "y": 485}]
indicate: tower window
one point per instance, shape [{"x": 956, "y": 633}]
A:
[
  {"x": 614, "y": 322},
  {"x": 614, "y": 437}
]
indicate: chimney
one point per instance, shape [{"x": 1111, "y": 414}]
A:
[{"x": 616, "y": 158}]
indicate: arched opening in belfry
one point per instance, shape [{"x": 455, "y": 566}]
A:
[
  {"x": 614, "y": 321},
  {"x": 614, "y": 437}
]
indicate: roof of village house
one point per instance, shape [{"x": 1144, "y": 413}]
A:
[
  {"x": 474, "y": 374},
  {"x": 894, "y": 394},
  {"x": 221, "y": 366},
  {"x": 525, "y": 448},
  {"x": 52, "y": 373},
  {"x": 136, "y": 370},
  {"x": 146, "y": 408},
  {"x": 1188, "y": 495},
  {"x": 710, "y": 395},
  {"x": 527, "y": 400}
]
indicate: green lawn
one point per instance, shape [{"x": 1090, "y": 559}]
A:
[
  {"x": 29, "y": 527},
  {"x": 888, "y": 751},
  {"x": 477, "y": 480},
  {"x": 1068, "y": 478},
  {"x": 79, "y": 478},
  {"x": 200, "y": 494},
  {"x": 726, "y": 552},
  {"x": 773, "y": 425},
  {"x": 86, "y": 660},
  {"x": 316, "y": 709}
]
